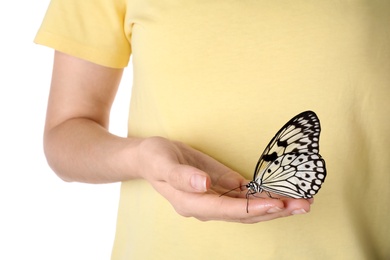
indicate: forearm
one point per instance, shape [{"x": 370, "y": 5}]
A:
[{"x": 82, "y": 150}]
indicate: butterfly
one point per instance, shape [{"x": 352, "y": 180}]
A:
[{"x": 291, "y": 165}]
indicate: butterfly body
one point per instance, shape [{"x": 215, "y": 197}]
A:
[{"x": 291, "y": 165}]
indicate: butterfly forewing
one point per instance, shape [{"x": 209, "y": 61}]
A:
[{"x": 290, "y": 164}]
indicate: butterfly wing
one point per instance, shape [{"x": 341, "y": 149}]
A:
[
  {"x": 278, "y": 170},
  {"x": 294, "y": 175}
]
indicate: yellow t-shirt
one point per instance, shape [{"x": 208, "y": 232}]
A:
[{"x": 223, "y": 77}]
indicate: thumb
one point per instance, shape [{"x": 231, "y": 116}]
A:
[{"x": 188, "y": 178}]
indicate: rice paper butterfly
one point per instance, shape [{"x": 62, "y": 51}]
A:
[{"x": 291, "y": 165}]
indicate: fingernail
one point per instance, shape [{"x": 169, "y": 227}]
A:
[
  {"x": 198, "y": 182},
  {"x": 298, "y": 211},
  {"x": 274, "y": 210}
]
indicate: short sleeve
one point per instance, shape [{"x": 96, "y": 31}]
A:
[{"x": 94, "y": 30}]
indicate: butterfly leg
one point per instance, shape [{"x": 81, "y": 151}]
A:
[
  {"x": 250, "y": 193},
  {"x": 269, "y": 195}
]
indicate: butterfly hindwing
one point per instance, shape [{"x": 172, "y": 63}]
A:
[
  {"x": 294, "y": 175},
  {"x": 291, "y": 164}
]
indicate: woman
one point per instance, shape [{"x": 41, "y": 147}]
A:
[{"x": 213, "y": 82}]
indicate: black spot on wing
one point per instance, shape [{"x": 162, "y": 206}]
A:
[{"x": 270, "y": 157}]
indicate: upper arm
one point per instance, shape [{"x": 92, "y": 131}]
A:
[{"x": 80, "y": 89}]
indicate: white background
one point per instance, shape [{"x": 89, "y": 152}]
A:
[{"x": 42, "y": 217}]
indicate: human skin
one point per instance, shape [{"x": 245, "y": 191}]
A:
[{"x": 79, "y": 147}]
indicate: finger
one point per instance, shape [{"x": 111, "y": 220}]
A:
[
  {"x": 297, "y": 206},
  {"x": 220, "y": 174},
  {"x": 187, "y": 178},
  {"x": 260, "y": 209},
  {"x": 292, "y": 204},
  {"x": 212, "y": 207},
  {"x": 243, "y": 210}
]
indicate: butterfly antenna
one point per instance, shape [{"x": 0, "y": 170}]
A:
[{"x": 239, "y": 187}]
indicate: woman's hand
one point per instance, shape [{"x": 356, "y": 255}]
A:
[{"x": 193, "y": 182}]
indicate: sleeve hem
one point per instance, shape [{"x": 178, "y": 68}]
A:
[{"x": 95, "y": 55}]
